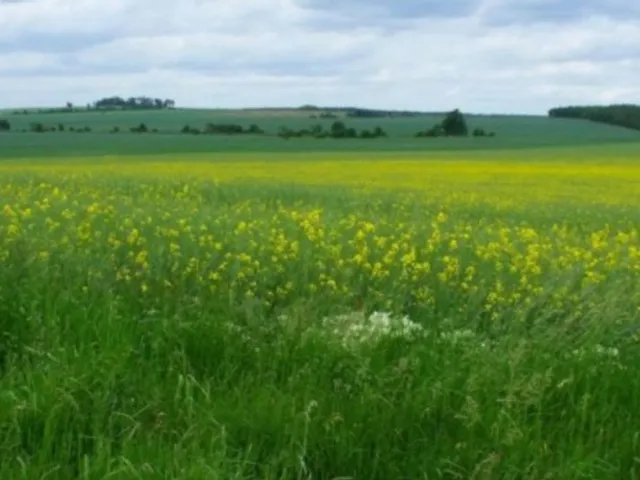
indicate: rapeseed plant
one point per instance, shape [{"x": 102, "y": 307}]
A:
[{"x": 190, "y": 303}]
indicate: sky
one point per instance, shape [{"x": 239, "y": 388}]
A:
[{"x": 482, "y": 56}]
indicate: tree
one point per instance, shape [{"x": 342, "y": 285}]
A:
[
  {"x": 5, "y": 126},
  {"x": 338, "y": 129},
  {"x": 255, "y": 129},
  {"x": 69, "y": 106},
  {"x": 38, "y": 127},
  {"x": 142, "y": 128},
  {"x": 455, "y": 125},
  {"x": 379, "y": 132}
]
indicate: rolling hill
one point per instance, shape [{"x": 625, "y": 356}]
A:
[{"x": 511, "y": 132}]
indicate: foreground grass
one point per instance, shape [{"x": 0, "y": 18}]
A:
[{"x": 154, "y": 327}]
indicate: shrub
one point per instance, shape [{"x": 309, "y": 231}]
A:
[
  {"x": 142, "y": 128},
  {"x": 379, "y": 132},
  {"x": 5, "y": 126},
  {"x": 255, "y": 129},
  {"x": 37, "y": 127}
]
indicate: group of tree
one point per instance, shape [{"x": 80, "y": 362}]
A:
[
  {"x": 5, "y": 125},
  {"x": 140, "y": 128},
  {"x": 106, "y": 104},
  {"x": 370, "y": 113},
  {"x": 324, "y": 115},
  {"x": 355, "y": 112},
  {"x": 338, "y": 129},
  {"x": 453, "y": 125},
  {"x": 39, "y": 127},
  {"x": 224, "y": 129},
  {"x": 133, "y": 103},
  {"x": 621, "y": 115}
]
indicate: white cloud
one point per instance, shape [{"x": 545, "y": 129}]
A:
[{"x": 283, "y": 52}]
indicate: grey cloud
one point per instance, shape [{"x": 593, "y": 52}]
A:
[
  {"x": 387, "y": 12},
  {"x": 54, "y": 43},
  {"x": 526, "y": 12}
]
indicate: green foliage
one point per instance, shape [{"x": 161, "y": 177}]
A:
[
  {"x": 38, "y": 127},
  {"x": 255, "y": 130},
  {"x": 338, "y": 130},
  {"x": 455, "y": 125},
  {"x": 5, "y": 125},
  {"x": 100, "y": 381},
  {"x": 230, "y": 129},
  {"x": 622, "y": 115},
  {"x": 133, "y": 103},
  {"x": 141, "y": 128},
  {"x": 372, "y": 113},
  {"x": 512, "y": 132}
]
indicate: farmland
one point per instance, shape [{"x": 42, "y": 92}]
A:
[
  {"x": 511, "y": 132},
  {"x": 382, "y": 314}
]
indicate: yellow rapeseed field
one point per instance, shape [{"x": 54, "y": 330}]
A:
[
  {"x": 468, "y": 236},
  {"x": 319, "y": 318}
]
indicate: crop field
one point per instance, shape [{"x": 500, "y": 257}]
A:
[
  {"x": 511, "y": 132},
  {"x": 329, "y": 316}
]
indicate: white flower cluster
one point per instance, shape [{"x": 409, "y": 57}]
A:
[
  {"x": 598, "y": 350},
  {"x": 356, "y": 328}
]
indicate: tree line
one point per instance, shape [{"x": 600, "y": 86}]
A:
[
  {"x": 621, "y": 115},
  {"x": 133, "y": 103},
  {"x": 453, "y": 125},
  {"x": 108, "y": 103},
  {"x": 338, "y": 129},
  {"x": 355, "y": 112}
]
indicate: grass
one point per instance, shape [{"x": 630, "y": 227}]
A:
[
  {"x": 513, "y": 132},
  {"x": 164, "y": 321}
]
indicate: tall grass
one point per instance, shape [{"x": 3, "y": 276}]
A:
[{"x": 192, "y": 361}]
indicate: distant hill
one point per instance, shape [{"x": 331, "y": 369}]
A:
[{"x": 512, "y": 132}]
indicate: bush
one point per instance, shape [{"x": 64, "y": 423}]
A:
[
  {"x": 379, "y": 132},
  {"x": 224, "y": 128},
  {"x": 435, "y": 131},
  {"x": 38, "y": 127},
  {"x": 5, "y": 126},
  {"x": 255, "y": 129},
  {"x": 142, "y": 128}
]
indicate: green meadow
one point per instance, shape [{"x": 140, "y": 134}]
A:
[
  {"x": 213, "y": 307},
  {"x": 511, "y": 132}
]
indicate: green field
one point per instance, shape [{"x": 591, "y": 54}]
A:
[
  {"x": 511, "y": 132},
  {"x": 191, "y": 307}
]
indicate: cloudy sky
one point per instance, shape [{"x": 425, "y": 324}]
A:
[{"x": 519, "y": 56}]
